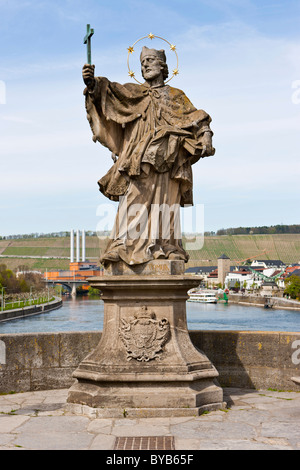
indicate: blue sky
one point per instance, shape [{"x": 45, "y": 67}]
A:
[{"x": 238, "y": 59}]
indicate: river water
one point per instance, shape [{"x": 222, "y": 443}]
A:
[{"x": 85, "y": 314}]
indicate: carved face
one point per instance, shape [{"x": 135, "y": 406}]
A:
[{"x": 151, "y": 67}]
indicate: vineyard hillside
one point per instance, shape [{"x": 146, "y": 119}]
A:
[
  {"x": 285, "y": 247},
  {"x": 53, "y": 252}
]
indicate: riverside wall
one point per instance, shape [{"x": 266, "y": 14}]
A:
[
  {"x": 252, "y": 299},
  {"x": 257, "y": 360},
  {"x": 15, "y": 313}
]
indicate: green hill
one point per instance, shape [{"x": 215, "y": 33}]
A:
[
  {"x": 45, "y": 253},
  {"x": 53, "y": 253},
  {"x": 285, "y": 247}
]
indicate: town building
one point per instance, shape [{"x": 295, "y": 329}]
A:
[
  {"x": 269, "y": 275},
  {"x": 223, "y": 268},
  {"x": 269, "y": 288}
]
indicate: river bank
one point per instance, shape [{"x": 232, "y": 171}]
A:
[
  {"x": 257, "y": 300},
  {"x": 23, "y": 312},
  {"x": 86, "y": 314}
]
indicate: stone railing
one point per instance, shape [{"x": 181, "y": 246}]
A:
[{"x": 258, "y": 360}]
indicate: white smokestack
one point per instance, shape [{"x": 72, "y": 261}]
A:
[
  {"x": 72, "y": 246},
  {"x": 78, "y": 246},
  {"x": 83, "y": 245}
]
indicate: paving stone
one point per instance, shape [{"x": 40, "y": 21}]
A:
[
  {"x": 140, "y": 430},
  {"x": 238, "y": 445},
  {"x": 205, "y": 430},
  {"x": 264, "y": 420},
  {"x": 8, "y": 408},
  {"x": 9, "y": 423},
  {"x": 252, "y": 417},
  {"x": 103, "y": 442},
  {"x": 6, "y": 439},
  {"x": 100, "y": 426},
  {"x": 55, "y": 441},
  {"x": 281, "y": 429},
  {"x": 51, "y": 433},
  {"x": 55, "y": 424}
]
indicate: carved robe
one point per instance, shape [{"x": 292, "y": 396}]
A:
[{"x": 156, "y": 134}]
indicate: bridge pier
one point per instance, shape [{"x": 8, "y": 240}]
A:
[
  {"x": 73, "y": 292},
  {"x": 71, "y": 285}
]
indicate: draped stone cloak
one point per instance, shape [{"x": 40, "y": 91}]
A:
[{"x": 156, "y": 135}]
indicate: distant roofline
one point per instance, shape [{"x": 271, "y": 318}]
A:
[{"x": 270, "y": 261}]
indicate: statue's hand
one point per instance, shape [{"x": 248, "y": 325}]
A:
[
  {"x": 88, "y": 72},
  {"x": 207, "y": 144}
]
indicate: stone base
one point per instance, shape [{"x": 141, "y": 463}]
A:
[
  {"x": 200, "y": 393},
  {"x": 135, "y": 413},
  {"x": 145, "y": 361},
  {"x": 159, "y": 267}
]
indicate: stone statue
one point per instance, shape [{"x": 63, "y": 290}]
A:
[{"x": 155, "y": 135}]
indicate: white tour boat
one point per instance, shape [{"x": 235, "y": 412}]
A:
[{"x": 202, "y": 296}]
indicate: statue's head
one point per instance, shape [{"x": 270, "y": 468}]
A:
[{"x": 153, "y": 63}]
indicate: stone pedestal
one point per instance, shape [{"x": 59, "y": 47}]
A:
[{"x": 145, "y": 363}]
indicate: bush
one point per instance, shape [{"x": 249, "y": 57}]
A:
[{"x": 293, "y": 287}]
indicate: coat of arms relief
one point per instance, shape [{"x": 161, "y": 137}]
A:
[{"x": 144, "y": 336}]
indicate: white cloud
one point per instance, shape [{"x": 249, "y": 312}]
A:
[{"x": 16, "y": 119}]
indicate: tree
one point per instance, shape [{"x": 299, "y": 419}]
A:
[
  {"x": 3, "y": 267},
  {"x": 23, "y": 286},
  {"x": 15, "y": 285},
  {"x": 293, "y": 287}
]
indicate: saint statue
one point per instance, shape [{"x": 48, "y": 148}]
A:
[{"x": 155, "y": 135}]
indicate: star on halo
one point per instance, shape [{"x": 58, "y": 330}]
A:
[{"x": 151, "y": 36}]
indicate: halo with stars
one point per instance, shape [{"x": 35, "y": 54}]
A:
[{"x": 151, "y": 36}]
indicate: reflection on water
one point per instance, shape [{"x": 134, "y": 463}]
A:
[{"x": 85, "y": 314}]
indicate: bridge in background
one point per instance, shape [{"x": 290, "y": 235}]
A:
[
  {"x": 76, "y": 276},
  {"x": 79, "y": 271}
]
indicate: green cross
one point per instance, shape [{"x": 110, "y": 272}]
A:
[{"x": 87, "y": 41}]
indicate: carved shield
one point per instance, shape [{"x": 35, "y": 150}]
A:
[{"x": 144, "y": 336}]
